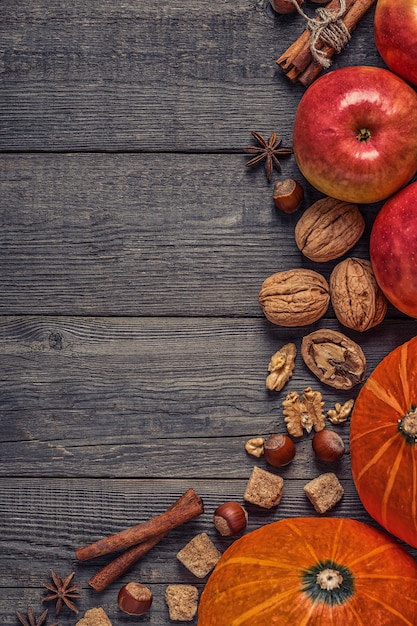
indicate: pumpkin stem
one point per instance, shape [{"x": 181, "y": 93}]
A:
[
  {"x": 329, "y": 579},
  {"x": 328, "y": 582},
  {"x": 408, "y": 425}
]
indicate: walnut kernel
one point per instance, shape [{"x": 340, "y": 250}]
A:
[
  {"x": 303, "y": 414},
  {"x": 255, "y": 446},
  {"x": 341, "y": 412},
  {"x": 281, "y": 367}
]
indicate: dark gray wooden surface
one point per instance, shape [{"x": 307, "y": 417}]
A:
[{"x": 133, "y": 245}]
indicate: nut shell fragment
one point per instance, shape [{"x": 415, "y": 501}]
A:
[
  {"x": 328, "y": 229},
  {"x": 334, "y": 358},
  {"x": 281, "y": 367},
  {"x": 294, "y": 297},
  {"x": 357, "y": 299}
]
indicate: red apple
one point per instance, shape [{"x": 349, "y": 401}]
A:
[
  {"x": 355, "y": 134},
  {"x": 393, "y": 249},
  {"x": 395, "y": 30}
]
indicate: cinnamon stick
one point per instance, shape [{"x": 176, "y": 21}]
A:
[
  {"x": 188, "y": 506},
  {"x": 297, "y": 61},
  {"x": 298, "y": 56},
  {"x": 116, "y": 568},
  {"x": 351, "y": 19}
]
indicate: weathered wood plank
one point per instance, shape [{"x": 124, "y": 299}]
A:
[
  {"x": 149, "y": 75},
  {"x": 143, "y": 234},
  {"x": 138, "y": 397}
]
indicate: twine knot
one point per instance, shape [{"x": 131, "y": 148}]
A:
[{"x": 329, "y": 28}]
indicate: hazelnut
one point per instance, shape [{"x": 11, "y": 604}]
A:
[
  {"x": 134, "y": 598},
  {"x": 230, "y": 519},
  {"x": 279, "y": 450},
  {"x": 328, "y": 445},
  {"x": 288, "y": 195}
]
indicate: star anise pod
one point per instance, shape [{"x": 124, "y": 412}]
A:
[
  {"x": 31, "y": 620},
  {"x": 62, "y": 591},
  {"x": 269, "y": 150}
]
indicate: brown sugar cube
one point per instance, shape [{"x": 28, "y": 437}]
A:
[
  {"x": 200, "y": 555},
  {"x": 94, "y": 617},
  {"x": 264, "y": 489},
  {"x": 324, "y": 492},
  {"x": 182, "y": 601}
]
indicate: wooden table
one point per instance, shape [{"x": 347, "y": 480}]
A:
[{"x": 133, "y": 245}]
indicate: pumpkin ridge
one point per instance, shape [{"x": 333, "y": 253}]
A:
[
  {"x": 337, "y": 541},
  {"x": 358, "y": 437},
  {"x": 255, "y": 582},
  {"x": 390, "y": 484},
  {"x": 307, "y": 544},
  {"x": 381, "y": 393},
  {"x": 403, "y": 370},
  {"x": 414, "y": 490},
  {"x": 376, "y": 457},
  {"x": 359, "y": 621},
  {"x": 388, "y": 608},
  {"x": 257, "y": 608},
  {"x": 384, "y": 576},
  {"x": 370, "y": 554},
  {"x": 254, "y": 560}
]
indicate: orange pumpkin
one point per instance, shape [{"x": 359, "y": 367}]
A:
[
  {"x": 312, "y": 572},
  {"x": 383, "y": 443}
]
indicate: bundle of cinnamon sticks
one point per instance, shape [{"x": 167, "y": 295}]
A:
[
  {"x": 297, "y": 61},
  {"x": 137, "y": 540}
]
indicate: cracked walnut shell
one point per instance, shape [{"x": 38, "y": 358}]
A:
[
  {"x": 335, "y": 359},
  {"x": 357, "y": 299},
  {"x": 294, "y": 297},
  {"x": 281, "y": 367},
  {"x": 328, "y": 229}
]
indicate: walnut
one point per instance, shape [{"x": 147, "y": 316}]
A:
[
  {"x": 334, "y": 358},
  {"x": 341, "y": 412},
  {"x": 281, "y": 367},
  {"x": 294, "y": 297},
  {"x": 303, "y": 414},
  {"x": 357, "y": 299},
  {"x": 255, "y": 446},
  {"x": 328, "y": 229}
]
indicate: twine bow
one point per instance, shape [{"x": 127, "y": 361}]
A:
[{"x": 329, "y": 28}]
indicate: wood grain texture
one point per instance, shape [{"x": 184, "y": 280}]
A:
[
  {"x": 159, "y": 76},
  {"x": 144, "y": 234},
  {"x": 133, "y": 245}
]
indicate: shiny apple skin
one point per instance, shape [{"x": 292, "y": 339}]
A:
[
  {"x": 393, "y": 249},
  {"x": 327, "y": 122},
  {"x": 395, "y": 31}
]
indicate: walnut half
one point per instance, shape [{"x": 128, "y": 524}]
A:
[
  {"x": 281, "y": 367},
  {"x": 303, "y": 414},
  {"x": 341, "y": 412},
  {"x": 334, "y": 358}
]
